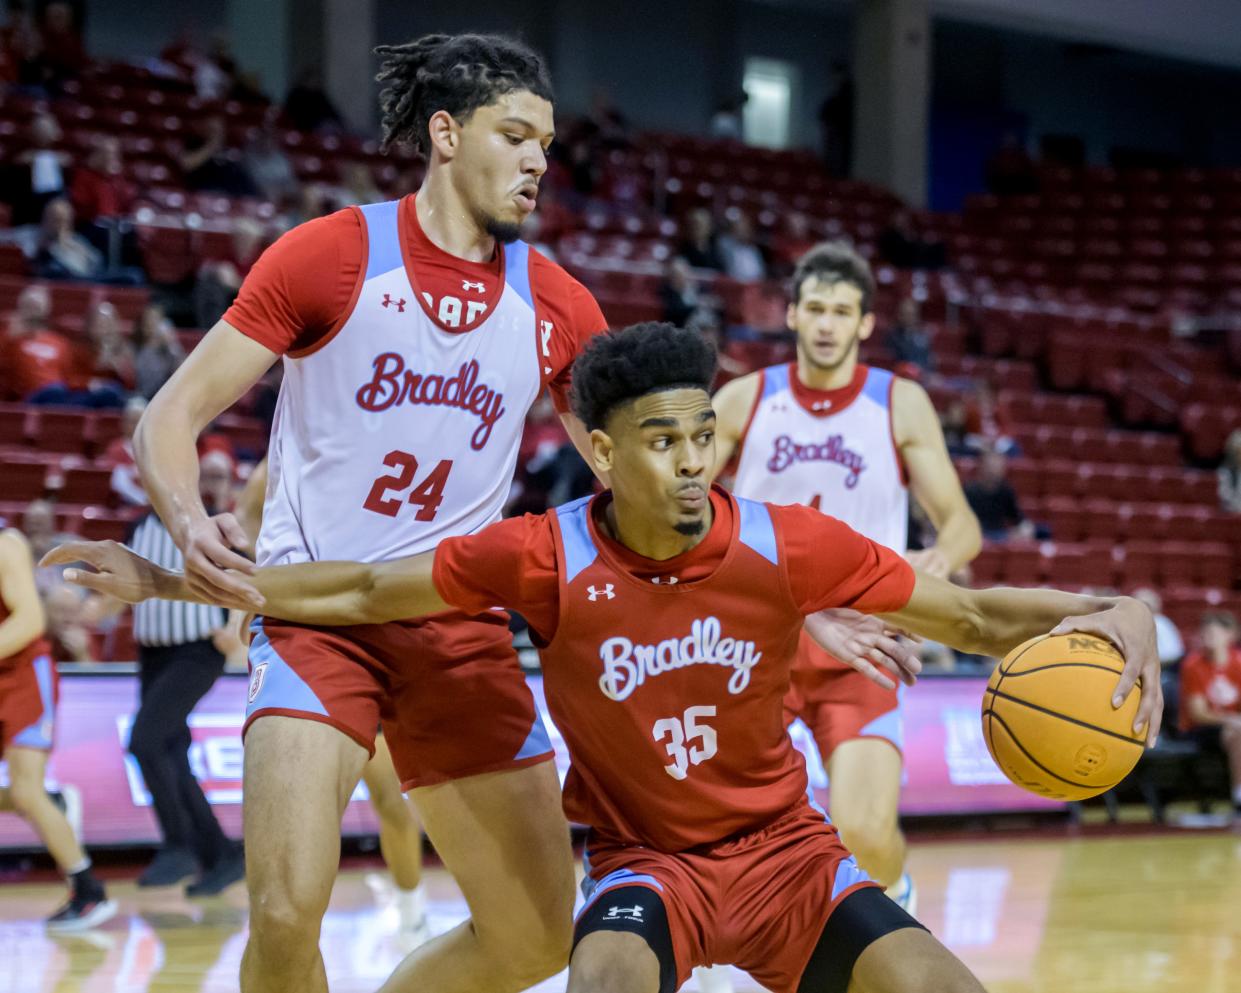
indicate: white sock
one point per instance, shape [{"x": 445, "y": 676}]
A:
[
  {"x": 82, "y": 866},
  {"x": 412, "y": 904}
]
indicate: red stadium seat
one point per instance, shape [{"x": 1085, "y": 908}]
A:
[
  {"x": 14, "y": 422},
  {"x": 87, "y": 485},
  {"x": 59, "y": 430}
]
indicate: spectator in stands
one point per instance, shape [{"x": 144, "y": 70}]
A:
[
  {"x": 987, "y": 424},
  {"x": 908, "y": 341},
  {"x": 678, "y": 292},
  {"x": 901, "y": 245},
  {"x": 68, "y": 629},
  {"x": 953, "y": 421},
  {"x": 64, "y": 55},
  {"x": 742, "y": 258},
  {"x": 1211, "y": 692},
  {"x": 38, "y": 174},
  {"x": 308, "y": 108},
  {"x": 1010, "y": 171},
  {"x": 994, "y": 501},
  {"x": 62, "y": 253},
  {"x": 99, "y": 190},
  {"x": 358, "y": 185},
  {"x": 20, "y": 47},
  {"x": 698, "y": 243},
  {"x": 126, "y": 481},
  {"x": 792, "y": 242},
  {"x": 269, "y": 167},
  {"x": 35, "y": 357},
  {"x": 1230, "y": 474},
  {"x": 158, "y": 351},
  {"x": 208, "y": 164},
  {"x": 220, "y": 279},
  {"x": 1168, "y": 638},
  {"x": 108, "y": 364}
]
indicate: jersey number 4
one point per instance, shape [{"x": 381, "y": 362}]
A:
[
  {"x": 682, "y": 731},
  {"x": 426, "y": 496}
]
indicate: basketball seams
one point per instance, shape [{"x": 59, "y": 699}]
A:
[
  {"x": 1066, "y": 717},
  {"x": 1065, "y": 665},
  {"x": 992, "y": 715}
]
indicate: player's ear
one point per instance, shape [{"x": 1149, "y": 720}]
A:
[
  {"x": 602, "y": 447},
  {"x": 444, "y": 133},
  {"x": 867, "y": 326},
  {"x": 790, "y": 316}
]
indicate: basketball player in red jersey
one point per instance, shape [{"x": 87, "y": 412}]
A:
[
  {"x": 855, "y": 442},
  {"x": 415, "y": 335},
  {"x": 668, "y": 614},
  {"x": 27, "y": 721}
]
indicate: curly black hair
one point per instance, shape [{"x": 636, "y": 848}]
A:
[
  {"x": 457, "y": 73},
  {"x": 618, "y": 366},
  {"x": 835, "y": 262}
]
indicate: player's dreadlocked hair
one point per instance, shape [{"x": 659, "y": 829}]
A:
[
  {"x": 456, "y": 73},
  {"x": 619, "y": 366},
  {"x": 835, "y": 262}
]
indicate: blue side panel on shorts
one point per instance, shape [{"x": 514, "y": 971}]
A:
[
  {"x": 878, "y": 386},
  {"x": 848, "y": 873},
  {"x": 775, "y": 380},
  {"x": 40, "y": 733},
  {"x": 273, "y": 683},
  {"x": 537, "y": 742},
  {"x": 757, "y": 531},
  {"x": 890, "y": 725},
  {"x": 517, "y": 270},
  {"x": 579, "y": 547},
  {"x": 383, "y": 239}
]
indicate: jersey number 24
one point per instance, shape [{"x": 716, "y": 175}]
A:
[{"x": 426, "y": 496}]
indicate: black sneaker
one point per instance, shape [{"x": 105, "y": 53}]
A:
[
  {"x": 169, "y": 867},
  {"x": 228, "y": 870},
  {"x": 81, "y": 913}
]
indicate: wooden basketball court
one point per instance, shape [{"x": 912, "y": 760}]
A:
[{"x": 1145, "y": 914}]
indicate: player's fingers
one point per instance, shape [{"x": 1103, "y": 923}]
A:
[
  {"x": 71, "y": 551},
  {"x": 224, "y": 557},
  {"x": 1152, "y": 732},
  {"x": 226, "y": 590},
  {"x": 873, "y": 673},
  {"x": 236, "y": 536},
  {"x": 1128, "y": 679},
  {"x": 100, "y": 582},
  {"x": 902, "y": 653}
]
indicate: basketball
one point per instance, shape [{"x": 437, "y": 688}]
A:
[{"x": 1048, "y": 719}]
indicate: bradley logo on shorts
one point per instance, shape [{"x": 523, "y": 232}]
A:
[{"x": 626, "y": 666}]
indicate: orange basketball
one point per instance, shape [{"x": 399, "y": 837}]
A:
[{"x": 1048, "y": 719}]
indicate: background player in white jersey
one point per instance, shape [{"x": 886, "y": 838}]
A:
[
  {"x": 855, "y": 442},
  {"x": 415, "y": 336}
]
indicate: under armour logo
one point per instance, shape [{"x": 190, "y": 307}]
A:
[
  {"x": 398, "y": 304},
  {"x": 476, "y": 287},
  {"x": 606, "y": 592},
  {"x": 624, "y": 914}
]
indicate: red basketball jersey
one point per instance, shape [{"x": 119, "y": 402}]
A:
[
  {"x": 669, "y": 691},
  {"x": 25, "y": 655}
]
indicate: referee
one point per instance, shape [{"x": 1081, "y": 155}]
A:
[{"x": 179, "y": 662}]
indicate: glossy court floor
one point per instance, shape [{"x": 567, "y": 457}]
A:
[{"x": 1121, "y": 914}]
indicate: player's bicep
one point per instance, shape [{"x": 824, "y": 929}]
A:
[
  {"x": 17, "y": 585},
  {"x": 214, "y": 376}
]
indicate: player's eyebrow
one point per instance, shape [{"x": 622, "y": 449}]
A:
[
  {"x": 528, "y": 125},
  {"x": 659, "y": 422}
]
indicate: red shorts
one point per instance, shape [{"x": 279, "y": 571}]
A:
[
  {"x": 759, "y": 902},
  {"x": 448, "y": 691},
  {"x": 837, "y": 703},
  {"x": 28, "y": 696}
]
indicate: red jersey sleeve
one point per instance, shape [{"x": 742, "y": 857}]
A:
[
  {"x": 574, "y": 318},
  {"x": 510, "y": 564},
  {"x": 299, "y": 290},
  {"x": 831, "y": 565}
]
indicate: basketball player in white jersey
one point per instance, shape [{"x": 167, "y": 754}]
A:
[
  {"x": 854, "y": 442},
  {"x": 415, "y": 336}
]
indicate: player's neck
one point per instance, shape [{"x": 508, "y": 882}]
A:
[
  {"x": 447, "y": 222},
  {"x": 817, "y": 378},
  {"x": 651, "y": 539}
]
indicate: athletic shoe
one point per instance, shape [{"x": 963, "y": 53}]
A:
[
  {"x": 905, "y": 895},
  {"x": 169, "y": 867},
  {"x": 228, "y": 870},
  {"x": 81, "y": 913},
  {"x": 713, "y": 979},
  {"x": 68, "y": 800},
  {"x": 413, "y": 927}
]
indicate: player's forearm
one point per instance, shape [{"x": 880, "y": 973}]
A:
[
  {"x": 165, "y": 449},
  {"x": 959, "y": 539},
  {"x": 1009, "y": 617}
]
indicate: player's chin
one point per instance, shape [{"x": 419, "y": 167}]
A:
[{"x": 690, "y": 524}]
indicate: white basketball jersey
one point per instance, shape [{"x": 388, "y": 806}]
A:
[
  {"x": 396, "y": 433},
  {"x": 844, "y": 462}
]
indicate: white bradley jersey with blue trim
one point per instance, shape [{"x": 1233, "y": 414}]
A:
[
  {"x": 395, "y": 433},
  {"x": 843, "y": 462}
]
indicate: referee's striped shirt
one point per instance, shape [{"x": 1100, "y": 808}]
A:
[{"x": 160, "y": 623}]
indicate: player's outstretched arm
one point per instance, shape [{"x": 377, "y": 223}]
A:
[
  {"x": 995, "y": 621},
  {"x": 308, "y": 593}
]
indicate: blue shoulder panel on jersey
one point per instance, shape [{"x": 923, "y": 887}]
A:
[
  {"x": 579, "y": 547},
  {"x": 383, "y": 237},
  {"x": 775, "y": 379},
  {"x": 517, "y": 269},
  {"x": 757, "y": 529},
  {"x": 878, "y": 385},
  {"x": 278, "y": 686}
]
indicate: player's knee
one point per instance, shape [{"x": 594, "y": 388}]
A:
[
  {"x": 533, "y": 949},
  {"x": 282, "y": 920},
  {"x": 866, "y": 829},
  {"x": 23, "y": 796}
]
